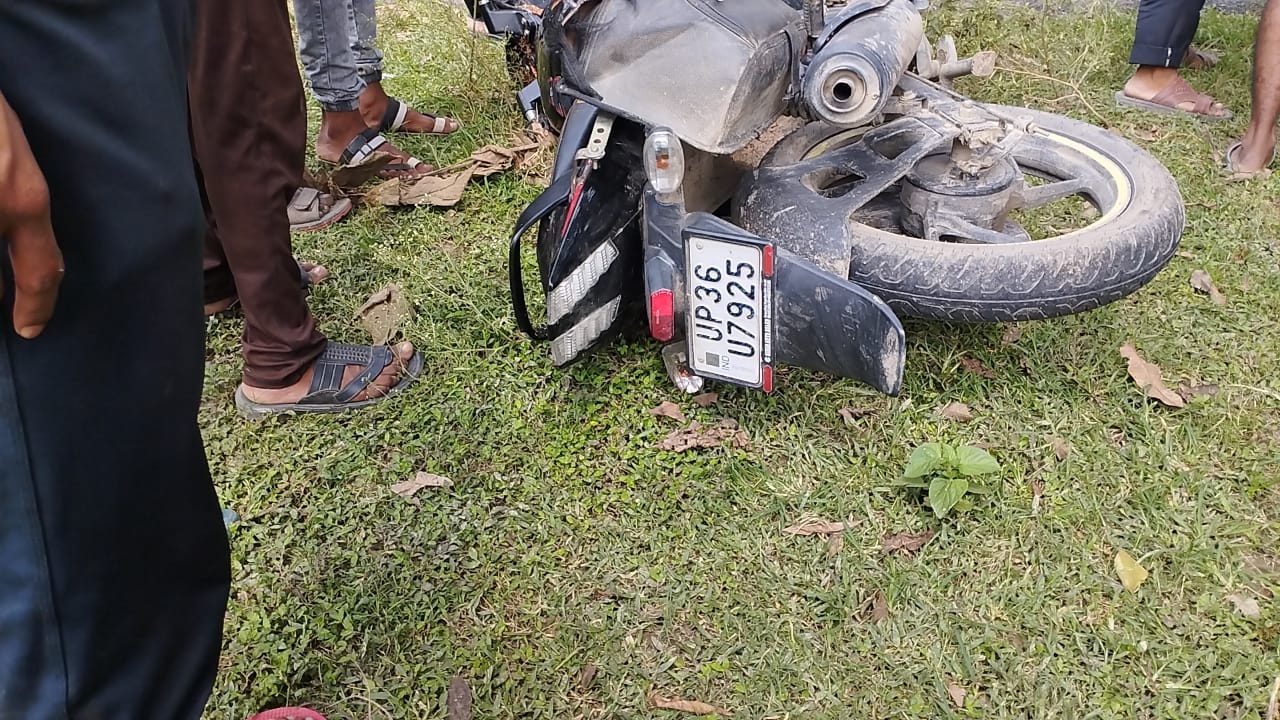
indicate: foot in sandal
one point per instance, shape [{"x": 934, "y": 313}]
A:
[
  {"x": 1164, "y": 90},
  {"x": 1251, "y": 157},
  {"x": 344, "y": 139},
  {"x": 387, "y": 114},
  {"x": 344, "y": 377}
]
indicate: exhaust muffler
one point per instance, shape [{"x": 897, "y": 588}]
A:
[{"x": 851, "y": 77}]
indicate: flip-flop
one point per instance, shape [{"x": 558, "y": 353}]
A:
[
  {"x": 397, "y": 112},
  {"x": 304, "y": 277},
  {"x": 327, "y": 394},
  {"x": 364, "y": 145},
  {"x": 311, "y": 210},
  {"x": 1245, "y": 175},
  {"x": 1174, "y": 94}
]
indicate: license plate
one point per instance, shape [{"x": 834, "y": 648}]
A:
[{"x": 730, "y": 323}]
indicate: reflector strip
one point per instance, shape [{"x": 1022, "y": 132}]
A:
[
  {"x": 566, "y": 347},
  {"x": 570, "y": 292}
]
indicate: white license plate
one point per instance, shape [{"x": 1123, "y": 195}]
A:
[{"x": 730, "y": 309}]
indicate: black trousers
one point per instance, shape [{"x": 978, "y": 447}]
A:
[
  {"x": 113, "y": 560},
  {"x": 1164, "y": 31}
]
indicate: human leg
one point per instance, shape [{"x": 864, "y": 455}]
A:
[
  {"x": 249, "y": 128},
  {"x": 327, "y": 38},
  {"x": 1257, "y": 149},
  {"x": 1162, "y": 38},
  {"x": 113, "y": 558}
]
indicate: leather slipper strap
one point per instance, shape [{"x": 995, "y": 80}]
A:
[
  {"x": 362, "y": 146},
  {"x": 326, "y": 379},
  {"x": 394, "y": 116}
]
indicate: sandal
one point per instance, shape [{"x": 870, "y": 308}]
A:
[
  {"x": 326, "y": 393},
  {"x": 311, "y": 209},
  {"x": 1177, "y": 92},
  {"x": 364, "y": 145},
  {"x": 1244, "y": 175},
  {"x": 304, "y": 272},
  {"x": 1197, "y": 59},
  {"x": 396, "y": 113}
]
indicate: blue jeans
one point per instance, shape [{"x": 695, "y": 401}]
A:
[{"x": 336, "y": 44}]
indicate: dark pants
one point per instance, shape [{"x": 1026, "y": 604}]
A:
[
  {"x": 1164, "y": 32},
  {"x": 113, "y": 559},
  {"x": 249, "y": 129}
]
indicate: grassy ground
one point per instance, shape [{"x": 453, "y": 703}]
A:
[{"x": 568, "y": 540}]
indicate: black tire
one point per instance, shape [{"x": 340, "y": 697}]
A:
[{"x": 1057, "y": 276}]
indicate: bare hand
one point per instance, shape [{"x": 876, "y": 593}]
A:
[{"x": 26, "y": 227}]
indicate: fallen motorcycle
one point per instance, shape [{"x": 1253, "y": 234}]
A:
[{"x": 767, "y": 182}]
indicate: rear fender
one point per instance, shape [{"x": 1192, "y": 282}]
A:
[{"x": 589, "y": 243}]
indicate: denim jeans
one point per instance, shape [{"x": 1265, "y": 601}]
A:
[{"x": 336, "y": 44}]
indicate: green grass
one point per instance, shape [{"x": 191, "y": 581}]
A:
[{"x": 568, "y": 540}]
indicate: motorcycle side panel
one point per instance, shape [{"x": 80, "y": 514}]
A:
[
  {"x": 716, "y": 73},
  {"x": 829, "y": 324}
]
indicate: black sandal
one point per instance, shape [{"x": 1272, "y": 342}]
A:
[
  {"x": 326, "y": 394},
  {"x": 396, "y": 113},
  {"x": 367, "y": 143}
]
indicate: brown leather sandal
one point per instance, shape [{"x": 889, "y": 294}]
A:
[{"x": 1176, "y": 93}]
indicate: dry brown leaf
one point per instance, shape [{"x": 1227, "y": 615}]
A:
[
  {"x": 409, "y": 488},
  {"x": 1201, "y": 281},
  {"x": 906, "y": 543},
  {"x": 1011, "y": 335},
  {"x": 956, "y": 693},
  {"x": 852, "y": 414},
  {"x": 384, "y": 313},
  {"x": 817, "y": 526},
  {"x": 686, "y": 706},
  {"x": 1037, "y": 495},
  {"x": 975, "y": 366},
  {"x": 1147, "y": 134},
  {"x": 1185, "y": 255},
  {"x": 587, "y": 676},
  {"x": 835, "y": 541},
  {"x": 668, "y": 409},
  {"x": 1060, "y": 447},
  {"x": 348, "y": 177},
  {"x": 1246, "y": 605},
  {"x": 1147, "y": 377},
  {"x": 706, "y": 399},
  {"x": 957, "y": 411},
  {"x": 458, "y": 699},
  {"x": 696, "y": 437},
  {"x": 876, "y": 608},
  {"x": 434, "y": 190}
]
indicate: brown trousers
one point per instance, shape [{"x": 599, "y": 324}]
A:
[{"x": 249, "y": 135}]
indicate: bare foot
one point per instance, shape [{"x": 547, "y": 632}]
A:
[
  {"x": 373, "y": 107},
  {"x": 338, "y": 129},
  {"x": 387, "y": 379},
  {"x": 1148, "y": 82}
]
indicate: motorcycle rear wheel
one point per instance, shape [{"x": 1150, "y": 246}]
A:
[{"x": 1128, "y": 244}]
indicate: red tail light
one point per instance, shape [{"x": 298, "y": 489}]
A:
[{"x": 662, "y": 315}]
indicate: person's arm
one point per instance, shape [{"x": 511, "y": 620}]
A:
[{"x": 26, "y": 228}]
